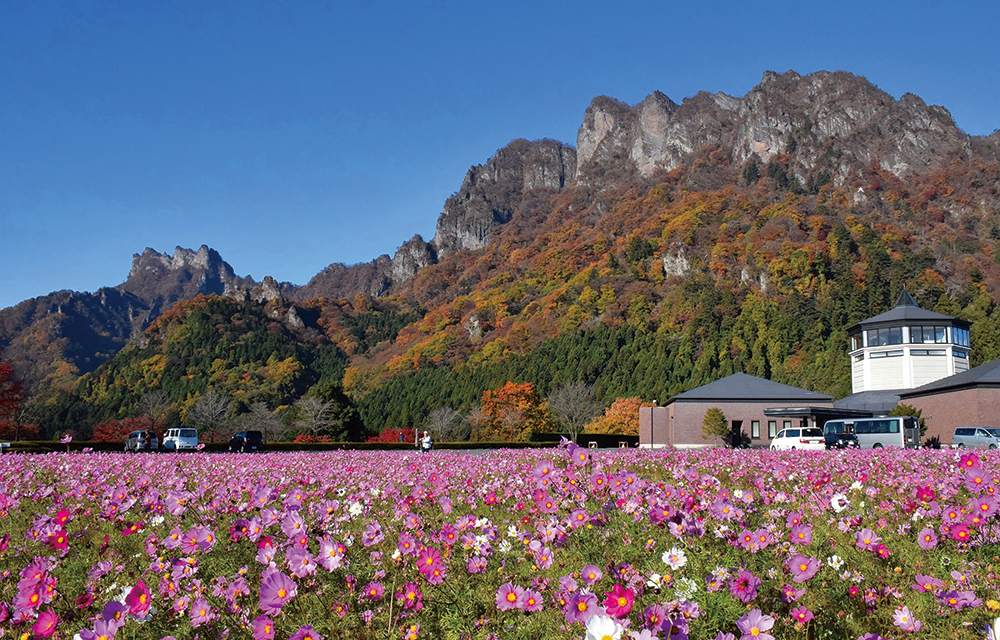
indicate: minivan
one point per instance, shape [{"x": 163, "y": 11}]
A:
[
  {"x": 976, "y": 437},
  {"x": 180, "y": 440}
]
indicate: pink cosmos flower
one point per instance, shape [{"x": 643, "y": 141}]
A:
[
  {"x": 428, "y": 560},
  {"x": 866, "y": 539},
  {"x": 802, "y": 567},
  {"x": 275, "y": 590},
  {"x": 410, "y": 597},
  {"x": 305, "y": 632},
  {"x": 263, "y": 628},
  {"x": 619, "y": 601},
  {"x": 301, "y": 563},
  {"x": 374, "y": 590},
  {"x": 200, "y": 612},
  {"x": 509, "y": 596},
  {"x": 926, "y": 583},
  {"x": 927, "y": 539},
  {"x": 743, "y": 587},
  {"x": 903, "y": 618},
  {"x": 591, "y": 574},
  {"x": 801, "y": 534},
  {"x": 754, "y": 626},
  {"x": 581, "y": 607},
  {"x": 102, "y": 630},
  {"x": 532, "y": 600}
]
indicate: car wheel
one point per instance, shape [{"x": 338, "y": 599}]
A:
[
  {"x": 877, "y": 445},
  {"x": 961, "y": 445},
  {"x": 993, "y": 446}
]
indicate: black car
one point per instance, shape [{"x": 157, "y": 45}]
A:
[
  {"x": 244, "y": 441},
  {"x": 842, "y": 441}
]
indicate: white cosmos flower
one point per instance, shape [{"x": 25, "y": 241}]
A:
[
  {"x": 675, "y": 558},
  {"x": 839, "y": 502},
  {"x": 603, "y": 628},
  {"x": 686, "y": 588},
  {"x": 835, "y": 562},
  {"x": 655, "y": 581}
]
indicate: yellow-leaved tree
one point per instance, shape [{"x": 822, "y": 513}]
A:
[
  {"x": 621, "y": 418},
  {"x": 510, "y": 413}
]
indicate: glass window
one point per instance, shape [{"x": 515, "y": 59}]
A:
[
  {"x": 961, "y": 353},
  {"x": 755, "y": 429},
  {"x": 895, "y": 335},
  {"x": 772, "y": 426},
  {"x": 859, "y": 357},
  {"x": 786, "y": 424},
  {"x": 940, "y": 334}
]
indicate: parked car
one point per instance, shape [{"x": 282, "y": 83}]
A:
[
  {"x": 142, "y": 440},
  {"x": 180, "y": 440},
  {"x": 799, "y": 438},
  {"x": 976, "y": 437},
  {"x": 841, "y": 441},
  {"x": 244, "y": 441}
]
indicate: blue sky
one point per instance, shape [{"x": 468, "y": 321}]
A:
[{"x": 290, "y": 135}]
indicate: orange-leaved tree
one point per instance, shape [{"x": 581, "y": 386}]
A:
[
  {"x": 511, "y": 412},
  {"x": 11, "y": 391},
  {"x": 621, "y": 418}
]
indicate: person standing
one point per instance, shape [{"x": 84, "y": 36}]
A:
[{"x": 426, "y": 443}]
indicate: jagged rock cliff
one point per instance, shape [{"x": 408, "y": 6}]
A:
[
  {"x": 161, "y": 280},
  {"x": 491, "y": 192},
  {"x": 836, "y": 122},
  {"x": 488, "y": 198}
]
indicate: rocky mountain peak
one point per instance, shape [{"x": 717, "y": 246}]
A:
[
  {"x": 491, "y": 192},
  {"x": 160, "y": 279},
  {"x": 787, "y": 113}
]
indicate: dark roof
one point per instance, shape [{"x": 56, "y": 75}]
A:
[
  {"x": 906, "y": 311},
  {"x": 985, "y": 375},
  {"x": 743, "y": 387},
  {"x": 878, "y": 402}
]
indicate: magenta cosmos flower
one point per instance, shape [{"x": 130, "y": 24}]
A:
[
  {"x": 619, "y": 601},
  {"x": 45, "y": 625},
  {"x": 755, "y": 625},
  {"x": 275, "y": 590},
  {"x": 138, "y": 600},
  {"x": 801, "y": 614},
  {"x": 744, "y": 586}
]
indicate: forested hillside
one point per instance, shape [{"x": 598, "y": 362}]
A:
[{"x": 645, "y": 271}]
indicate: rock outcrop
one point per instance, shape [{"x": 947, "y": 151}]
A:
[
  {"x": 835, "y": 122},
  {"x": 161, "y": 279},
  {"x": 491, "y": 192}
]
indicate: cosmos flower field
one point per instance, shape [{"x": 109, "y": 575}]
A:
[{"x": 554, "y": 543}]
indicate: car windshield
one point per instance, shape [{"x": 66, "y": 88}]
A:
[
  {"x": 993, "y": 432},
  {"x": 812, "y": 433}
]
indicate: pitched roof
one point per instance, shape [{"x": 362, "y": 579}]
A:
[
  {"x": 985, "y": 375},
  {"x": 905, "y": 312},
  {"x": 878, "y": 402},
  {"x": 743, "y": 387}
]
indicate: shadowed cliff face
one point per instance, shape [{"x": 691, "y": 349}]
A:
[
  {"x": 161, "y": 280},
  {"x": 810, "y": 118}
]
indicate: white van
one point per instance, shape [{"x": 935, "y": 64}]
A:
[
  {"x": 180, "y": 440},
  {"x": 976, "y": 437},
  {"x": 878, "y": 433}
]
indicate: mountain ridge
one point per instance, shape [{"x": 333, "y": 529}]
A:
[{"x": 799, "y": 134}]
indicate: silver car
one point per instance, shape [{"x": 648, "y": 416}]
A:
[{"x": 976, "y": 437}]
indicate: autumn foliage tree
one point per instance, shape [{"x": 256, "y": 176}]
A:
[
  {"x": 11, "y": 391},
  {"x": 621, "y": 418},
  {"x": 511, "y": 413}
]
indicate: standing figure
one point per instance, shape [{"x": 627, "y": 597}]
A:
[{"x": 426, "y": 443}]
